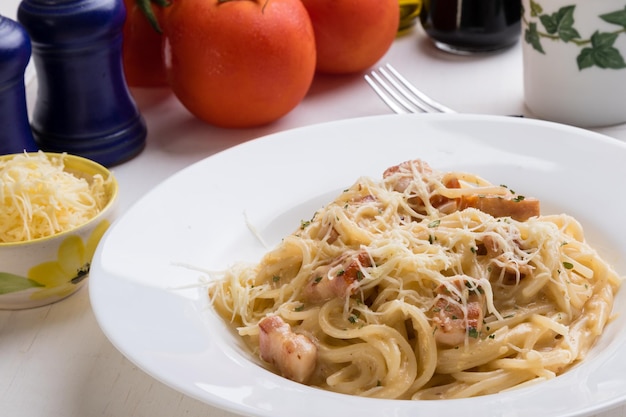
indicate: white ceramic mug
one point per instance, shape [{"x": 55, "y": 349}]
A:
[{"x": 574, "y": 54}]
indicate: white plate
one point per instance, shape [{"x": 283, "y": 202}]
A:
[{"x": 199, "y": 217}]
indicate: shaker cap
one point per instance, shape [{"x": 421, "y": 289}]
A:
[
  {"x": 59, "y": 23},
  {"x": 15, "y": 50}
]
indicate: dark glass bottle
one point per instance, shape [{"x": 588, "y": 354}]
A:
[
  {"x": 467, "y": 26},
  {"x": 15, "y": 50},
  {"x": 83, "y": 104}
]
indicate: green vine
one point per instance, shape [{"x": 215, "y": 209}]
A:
[{"x": 598, "y": 50}]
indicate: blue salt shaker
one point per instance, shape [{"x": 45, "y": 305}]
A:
[
  {"x": 83, "y": 104},
  {"x": 15, "y": 50}
]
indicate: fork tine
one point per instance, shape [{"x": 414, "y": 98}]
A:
[
  {"x": 393, "y": 95},
  {"x": 399, "y": 94},
  {"x": 388, "y": 95},
  {"x": 422, "y": 97}
]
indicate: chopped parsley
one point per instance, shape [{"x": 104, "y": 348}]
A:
[
  {"x": 434, "y": 223},
  {"x": 354, "y": 317}
]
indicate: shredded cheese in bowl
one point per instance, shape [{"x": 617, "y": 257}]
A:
[{"x": 40, "y": 197}]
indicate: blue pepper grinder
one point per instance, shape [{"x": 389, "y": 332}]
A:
[
  {"x": 15, "y": 50},
  {"x": 83, "y": 104}
]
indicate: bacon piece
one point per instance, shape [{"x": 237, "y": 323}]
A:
[
  {"x": 294, "y": 355},
  {"x": 405, "y": 174},
  {"x": 328, "y": 233},
  {"x": 406, "y": 168},
  {"x": 336, "y": 279},
  {"x": 520, "y": 209},
  {"x": 505, "y": 266},
  {"x": 368, "y": 198},
  {"x": 445, "y": 204},
  {"x": 455, "y": 320},
  {"x": 513, "y": 206}
]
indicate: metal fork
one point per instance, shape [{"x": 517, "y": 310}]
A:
[{"x": 400, "y": 95}]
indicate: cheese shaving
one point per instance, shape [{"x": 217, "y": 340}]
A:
[{"x": 39, "y": 198}]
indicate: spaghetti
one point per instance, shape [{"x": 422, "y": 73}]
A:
[{"x": 423, "y": 285}]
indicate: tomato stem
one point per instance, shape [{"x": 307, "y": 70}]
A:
[{"x": 146, "y": 8}]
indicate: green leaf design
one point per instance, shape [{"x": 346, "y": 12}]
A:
[
  {"x": 585, "y": 59},
  {"x": 559, "y": 26},
  {"x": 603, "y": 40},
  {"x": 602, "y": 53},
  {"x": 535, "y": 9},
  {"x": 531, "y": 35},
  {"x": 616, "y": 18},
  {"x": 561, "y": 23},
  {"x": 13, "y": 283}
]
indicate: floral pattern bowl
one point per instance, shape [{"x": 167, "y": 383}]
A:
[{"x": 42, "y": 271}]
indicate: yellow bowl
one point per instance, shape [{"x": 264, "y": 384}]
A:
[{"x": 45, "y": 270}]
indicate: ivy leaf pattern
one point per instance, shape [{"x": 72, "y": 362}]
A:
[
  {"x": 531, "y": 35},
  {"x": 535, "y": 9},
  {"x": 598, "y": 51},
  {"x": 602, "y": 53},
  {"x": 561, "y": 23},
  {"x": 616, "y": 18}
]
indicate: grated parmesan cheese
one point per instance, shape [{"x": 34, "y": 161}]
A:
[{"x": 38, "y": 198}]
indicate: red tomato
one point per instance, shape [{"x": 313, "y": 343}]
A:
[
  {"x": 141, "y": 49},
  {"x": 351, "y": 35},
  {"x": 239, "y": 63}
]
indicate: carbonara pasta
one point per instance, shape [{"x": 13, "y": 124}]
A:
[{"x": 423, "y": 285}]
